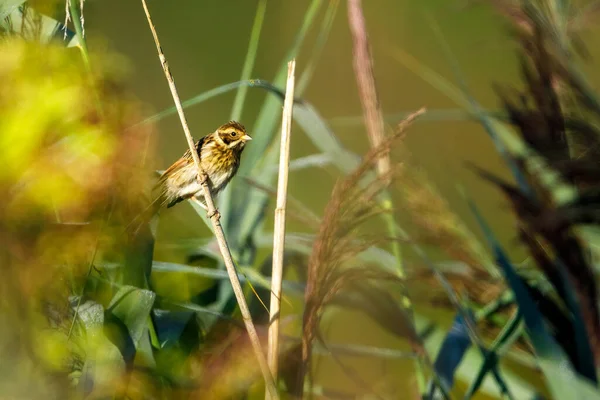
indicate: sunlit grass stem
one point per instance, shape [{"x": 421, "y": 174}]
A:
[
  {"x": 373, "y": 118},
  {"x": 279, "y": 229},
  {"x": 214, "y": 218}
]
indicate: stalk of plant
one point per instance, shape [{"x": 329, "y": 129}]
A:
[
  {"x": 213, "y": 215},
  {"x": 373, "y": 117},
  {"x": 279, "y": 229},
  {"x": 365, "y": 79}
]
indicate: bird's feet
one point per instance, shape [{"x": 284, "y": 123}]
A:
[
  {"x": 208, "y": 213},
  {"x": 215, "y": 214},
  {"x": 200, "y": 203}
]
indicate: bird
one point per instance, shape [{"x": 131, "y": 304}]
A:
[{"x": 219, "y": 153}]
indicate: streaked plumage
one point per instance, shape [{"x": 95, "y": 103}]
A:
[{"x": 219, "y": 154}]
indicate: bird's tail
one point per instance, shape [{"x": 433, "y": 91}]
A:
[{"x": 145, "y": 215}]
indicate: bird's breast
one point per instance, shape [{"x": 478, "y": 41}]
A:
[{"x": 220, "y": 165}]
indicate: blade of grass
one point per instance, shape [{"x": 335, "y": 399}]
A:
[
  {"x": 477, "y": 109},
  {"x": 217, "y": 274},
  {"x": 101, "y": 229},
  {"x": 76, "y": 17},
  {"x": 8, "y": 7},
  {"x": 240, "y": 96},
  {"x": 317, "y": 49},
  {"x": 209, "y": 94},
  {"x": 265, "y": 124},
  {"x": 471, "y": 363},
  {"x": 269, "y": 113},
  {"x": 455, "y": 345},
  {"x": 214, "y": 217},
  {"x": 507, "y": 336},
  {"x": 443, "y": 115}
]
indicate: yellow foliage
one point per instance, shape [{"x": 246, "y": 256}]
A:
[{"x": 67, "y": 156}]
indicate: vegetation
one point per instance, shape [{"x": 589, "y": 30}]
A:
[{"x": 87, "y": 312}]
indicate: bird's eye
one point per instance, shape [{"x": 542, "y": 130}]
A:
[{"x": 233, "y": 133}]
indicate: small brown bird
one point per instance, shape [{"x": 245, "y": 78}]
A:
[{"x": 219, "y": 154}]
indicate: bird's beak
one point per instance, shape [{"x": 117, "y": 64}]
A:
[{"x": 246, "y": 138}]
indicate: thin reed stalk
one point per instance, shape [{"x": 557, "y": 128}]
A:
[
  {"x": 363, "y": 69},
  {"x": 373, "y": 117},
  {"x": 214, "y": 217},
  {"x": 279, "y": 229}
]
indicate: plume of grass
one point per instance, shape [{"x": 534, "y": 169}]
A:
[
  {"x": 339, "y": 241},
  {"x": 217, "y": 228},
  {"x": 547, "y": 221},
  {"x": 438, "y": 223}
]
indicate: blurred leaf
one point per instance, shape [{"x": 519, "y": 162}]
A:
[
  {"x": 270, "y": 113},
  {"x": 509, "y": 334},
  {"x": 312, "y": 161},
  {"x": 455, "y": 345},
  {"x": 224, "y": 201},
  {"x": 471, "y": 363},
  {"x": 360, "y": 350},
  {"x": 302, "y": 243},
  {"x": 315, "y": 127},
  {"x": 170, "y": 325},
  {"x": 7, "y": 7},
  {"x": 245, "y": 211},
  {"x": 240, "y": 96},
  {"x": 219, "y": 274},
  {"x": 380, "y": 306},
  {"x": 128, "y": 314},
  {"x": 591, "y": 235},
  {"x": 202, "y": 214},
  {"x": 585, "y": 355},
  {"x": 19, "y": 19},
  {"x": 317, "y": 48},
  {"x": 209, "y": 94},
  {"x": 435, "y": 115},
  {"x": 103, "y": 360},
  {"x": 91, "y": 314},
  {"x": 138, "y": 259}
]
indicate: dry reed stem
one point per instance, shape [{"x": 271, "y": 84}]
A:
[
  {"x": 214, "y": 218},
  {"x": 279, "y": 229},
  {"x": 363, "y": 68}
]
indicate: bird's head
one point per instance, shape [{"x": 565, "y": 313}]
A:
[{"x": 233, "y": 134}]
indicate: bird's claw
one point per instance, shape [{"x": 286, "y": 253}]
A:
[{"x": 213, "y": 214}]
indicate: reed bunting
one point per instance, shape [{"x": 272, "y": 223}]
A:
[{"x": 219, "y": 154}]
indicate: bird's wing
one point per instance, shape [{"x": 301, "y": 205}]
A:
[
  {"x": 162, "y": 197},
  {"x": 182, "y": 162}
]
